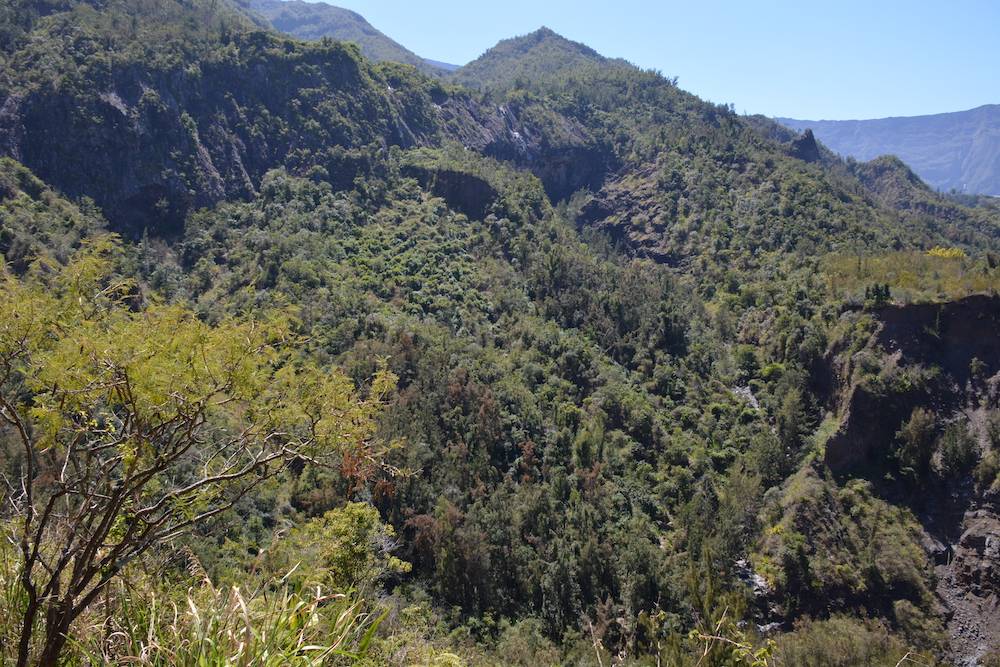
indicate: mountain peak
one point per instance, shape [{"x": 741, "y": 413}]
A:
[
  {"x": 544, "y": 32},
  {"x": 539, "y": 54},
  {"x": 546, "y": 35}
]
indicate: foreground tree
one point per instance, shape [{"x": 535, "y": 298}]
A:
[{"x": 129, "y": 426}]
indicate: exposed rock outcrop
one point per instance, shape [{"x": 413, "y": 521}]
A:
[
  {"x": 155, "y": 144},
  {"x": 957, "y": 343},
  {"x": 158, "y": 143},
  {"x": 632, "y": 210},
  {"x": 805, "y": 147},
  {"x": 969, "y": 584},
  {"x": 463, "y": 192},
  {"x": 558, "y": 150}
]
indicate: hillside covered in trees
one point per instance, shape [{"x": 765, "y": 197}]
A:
[
  {"x": 307, "y": 358},
  {"x": 319, "y": 20}
]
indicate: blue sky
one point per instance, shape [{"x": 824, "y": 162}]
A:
[{"x": 830, "y": 60}]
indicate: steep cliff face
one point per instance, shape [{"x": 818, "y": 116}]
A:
[
  {"x": 635, "y": 211},
  {"x": 151, "y": 144},
  {"x": 805, "y": 147},
  {"x": 941, "y": 360},
  {"x": 150, "y": 135},
  {"x": 463, "y": 192},
  {"x": 948, "y": 335},
  {"x": 942, "y": 357},
  {"x": 969, "y": 581},
  {"x": 559, "y": 150}
]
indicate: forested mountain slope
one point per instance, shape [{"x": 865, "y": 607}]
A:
[
  {"x": 515, "y": 62},
  {"x": 951, "y": 151},
  {"x": 317, "y": 20},
  {"x": 179, "y": 121},
  {"x": 619, "y": 329},
  {"x": 688, "y": 174}
]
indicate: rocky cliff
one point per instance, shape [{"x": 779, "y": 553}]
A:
[
  {"x": 942, "y": 359},
  {"x": 151, "y": 144}
]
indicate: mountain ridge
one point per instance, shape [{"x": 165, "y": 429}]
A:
[
  {"x": 317, "y": 20},
  {"x": 957, "y": 150}
]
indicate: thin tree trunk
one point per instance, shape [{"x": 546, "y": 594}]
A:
[
  {"x": 56, "y": 631},
  {"x": 24, "y": 645}
]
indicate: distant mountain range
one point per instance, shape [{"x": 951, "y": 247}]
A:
[
  {"x": 950, "y": 151},
  {"x": 316, "y": 20}
]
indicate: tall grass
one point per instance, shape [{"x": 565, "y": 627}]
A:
[
  {"x": 233, "y": 628},
  {"x": 13, "y": 601},
  {"x": 137, "y": 624}
]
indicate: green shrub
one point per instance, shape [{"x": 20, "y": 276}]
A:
[
  {"x": 987, "y": 472},
  {"x": 346, "y": 548},
  {"x": 840, "y": 642},
  {"x": 958, "y": 450},
  {"x": 915, "y": 443}
]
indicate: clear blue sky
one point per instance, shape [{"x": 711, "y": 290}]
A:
[{"x": 813, "y": 60}]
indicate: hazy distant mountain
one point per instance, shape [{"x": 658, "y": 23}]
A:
[
  {"x": 316, "y": 20},
  {"x": 958, "y": 151},
  {"x": 448, "y": 67}
]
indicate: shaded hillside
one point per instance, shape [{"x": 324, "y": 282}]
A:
[
  {"x": 932, "y": 348},
  {"x": 951, "y": 151},
  {"x": 160, "y": 141},
  {"x": 316, "y": 20},
  {"x": 151, "y": 138}
]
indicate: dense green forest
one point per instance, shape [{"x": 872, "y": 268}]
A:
[{"x": 309, "y": 359}]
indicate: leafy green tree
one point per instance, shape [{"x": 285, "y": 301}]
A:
[
  {"x": 915, "y": 443},
  {"x": 346, "y": 548},
  {"x": 959, "y": 450},
  {"x": 878, "y": 295},
  {"x": 792, "y": 422},
  {"x": 136, "y": 424}
]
